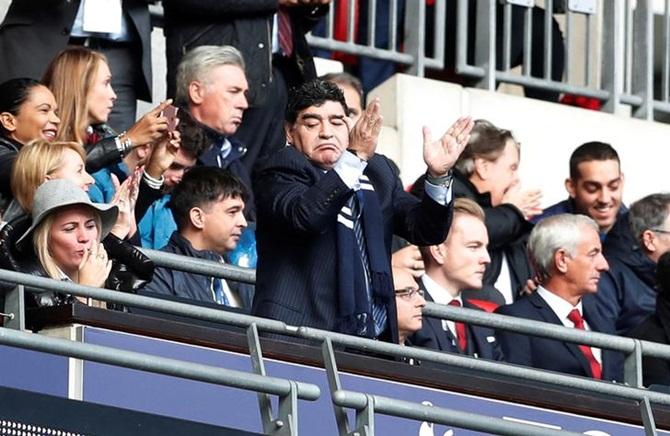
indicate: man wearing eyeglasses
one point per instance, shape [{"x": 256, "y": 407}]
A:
[
  {"x": 627, "y": 292},
  {"x": 457, "y": 264},
  {"x": 409, "y": 301}
]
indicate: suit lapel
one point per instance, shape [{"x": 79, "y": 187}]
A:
[
  {"x": 445, "y": 340},
  {"x": 550, "y": 316}
]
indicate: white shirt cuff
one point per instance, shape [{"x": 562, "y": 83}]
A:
[
  {"x": 350, "y": 168},
  {"x": 441, "y": 194}
]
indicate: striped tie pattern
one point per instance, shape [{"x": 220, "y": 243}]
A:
[
  {"x": 285, "y": 32},
  {"x": 217, "y": 289},
  {"x": 378, "y": 310}
]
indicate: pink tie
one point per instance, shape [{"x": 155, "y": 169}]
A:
[
  {"x": 285, "y": 32},
  {"x": 578, "y": 321}
]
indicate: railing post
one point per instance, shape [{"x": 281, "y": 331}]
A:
[
  {"x": 415, "y": 35},
  {"x": 643, "y": 59},
  {"x": 485, "y": 43},
  {"x": 613, "y": 54},
  {"x": 330, "y": 364},
  {"x": 648, "y": 418},
  {"x": 287, "y": 421},
  {"x": 256, "y": 355},
  {"x": 632, "y": 373},
  {"x": 15, "y": 307}
]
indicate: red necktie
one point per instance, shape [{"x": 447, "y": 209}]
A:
[
  {"x": 461, "y": 333},
  {"x": 578, "y": 321},
  {"x": 285, "y": 32}
]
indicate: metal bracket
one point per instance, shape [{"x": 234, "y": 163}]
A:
[
  {"x": 633, "y": 366},
  {"x": 282, "y": 425},
  {"x": 648, "y": 418},
  {"x": 334, "y": 385},
  {"x": 287, "y": 421},
  {"x": 365, "y": 418},
  {"x": 15, "y": 307}
]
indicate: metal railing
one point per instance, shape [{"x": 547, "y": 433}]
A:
[{"x": 254, "y": 324}]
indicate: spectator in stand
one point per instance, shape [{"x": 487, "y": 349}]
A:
[
  {"x": 270, "y": 34},
  {"x": 565, "y": 251},
  {"x": 212, "y": 87},
  {"x": 28, "y": 111},
  {"x": 627, "y": 292},
  {"x": 487, "y": 172},
  {"x": 120, "y": 30},
  {"x": 65, "y": 235},
  {"x": 158, "y": 223},
  {"x": 457, "y": 264},
  {"x": 405, "y": 255},
  {"x": 81, "y": 81},
  {"x": 328, "y": 206},
  {"x": 595, "y": 186},
  {"x": 409, "y": 302},
  {"x": 656, "y": 328},
  {"x": 208, "y": 206}
]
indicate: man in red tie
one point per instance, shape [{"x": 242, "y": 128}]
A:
[
  {"x": 455, "y": 265},
  {"x": 566, "y": 253}
]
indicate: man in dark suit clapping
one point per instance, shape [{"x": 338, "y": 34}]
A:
[
  {"x": 327, "y": 208},
  {"x": 565, "y": 250}
]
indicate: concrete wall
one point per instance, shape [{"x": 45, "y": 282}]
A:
[{"x": 548, "y": 133}]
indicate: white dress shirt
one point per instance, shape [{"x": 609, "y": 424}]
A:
[{"x": 441, "y": 296}]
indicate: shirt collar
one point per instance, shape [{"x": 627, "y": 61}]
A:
[
  {"x": 437, "y": 292},
  {"x": 560, "y": 306}
]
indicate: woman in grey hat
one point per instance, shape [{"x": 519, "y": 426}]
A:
[{"x": 65, "y": 234}]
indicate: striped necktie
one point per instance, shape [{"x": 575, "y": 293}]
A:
[
  {"x": 219, "y": 296},
  {"x": 378, "y": 310}
]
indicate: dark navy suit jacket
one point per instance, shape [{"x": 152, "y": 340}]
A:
[
  {"x": 481, "y": 340},
  {"x": 550, "y": 354},
  {"x": 297, "y": 207}
]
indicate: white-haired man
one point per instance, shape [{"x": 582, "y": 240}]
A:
[{"x": 566, "y": 253}]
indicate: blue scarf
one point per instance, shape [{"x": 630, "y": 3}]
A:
[{"x": 354, "y": 314}]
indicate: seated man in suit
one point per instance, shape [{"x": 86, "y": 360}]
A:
[
  {"x": 409, "y": 303},
  {"x": 458, "y": 263},
  {"x": 328, "y": 206},
  {"x": 207, "y": 206},
  {"x": 566, "y": 253}
]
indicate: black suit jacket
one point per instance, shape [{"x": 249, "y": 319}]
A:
[
  {"x": 550, "y": 354},
  {"x": 481, "y": 340},
  {"x": 33, "y": 33},
  {"x": 297, "y": 206}
]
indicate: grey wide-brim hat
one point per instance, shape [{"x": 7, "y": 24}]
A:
[{"x": 54, "y": 194}]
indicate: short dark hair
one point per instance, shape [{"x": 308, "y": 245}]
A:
[
  {"x": 314, "y": 93},
  {"x": 15, "y": 92},
  {"x": 201, "y": 186},
  {"x": 194, "y": 139},
  {"x": 590, "y": 151},
  {"x": 349, "y": 80}
]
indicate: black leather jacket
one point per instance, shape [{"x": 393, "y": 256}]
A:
[{"x": 131, "y": 269}]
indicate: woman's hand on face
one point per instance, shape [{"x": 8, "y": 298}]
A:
[
  {"x": 95, "y": 267},
  {"x": 151, "y": 127}
]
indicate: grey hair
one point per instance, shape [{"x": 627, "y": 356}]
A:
[
  {"x": 551, "y": 234},
  {"x": 649, "y": 213},
  {"x": 197, "y": 64}
]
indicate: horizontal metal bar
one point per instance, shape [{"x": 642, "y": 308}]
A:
[
  {"x": 156, "y": 364},
  {"x": 530, "y": 327},
  {"x": 200, "y": 266},
  {"x": 441, "y": 415},
  {"x": 509, "y": 370},
  {"x": 372, "y": 52},
  {"x": 37, "y": 284}
]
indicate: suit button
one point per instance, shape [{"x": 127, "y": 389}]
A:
[{"x": 261, "y": 45}]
